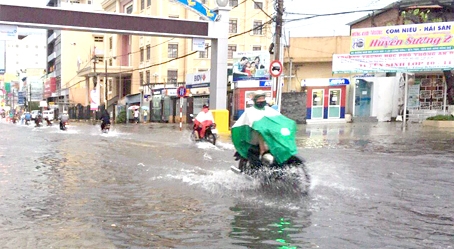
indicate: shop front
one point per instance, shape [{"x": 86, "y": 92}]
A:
[
  {"x": 326, "y": 99},
  {"x": 244, "y": 93}
]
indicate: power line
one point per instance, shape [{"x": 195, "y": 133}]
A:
[
  {"x": 260, "y": 7},
  {"x": 310, "y": 16}
]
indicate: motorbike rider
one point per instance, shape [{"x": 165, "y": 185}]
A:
[
  {"x": 28, "y": 117},
  {"x": 203, "y": 120},
  {"x": 105, "y": 117},
  {"x": 260, "y": 104},
  {"x": 64, "y": 117}
]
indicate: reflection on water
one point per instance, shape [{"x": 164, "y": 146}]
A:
[{"x": 269, "y": 226}]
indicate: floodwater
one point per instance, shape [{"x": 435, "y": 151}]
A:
[{"x": 149, "y": 186}]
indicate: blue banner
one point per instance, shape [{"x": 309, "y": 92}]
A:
[
  {"x": 20, "y": 98},
  {"x": 199, "y": 8}
]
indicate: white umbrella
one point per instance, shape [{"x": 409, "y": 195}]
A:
[{"x": 133, "y": 107}]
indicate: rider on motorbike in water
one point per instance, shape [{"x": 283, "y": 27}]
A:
[
  {"x": 105, "y": 117},
  {"x": 203, "y": 120},
  {"x": 263, "y": 135},
  {"x": 64, "y": 117}
]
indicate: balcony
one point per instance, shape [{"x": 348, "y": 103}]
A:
[
  {"x": 52, "y": 56},
  {"x": 51, "y": 38}
]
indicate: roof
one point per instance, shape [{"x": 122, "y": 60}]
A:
[{"x": 403, "y": 4}]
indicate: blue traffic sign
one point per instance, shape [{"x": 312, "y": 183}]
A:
[{"x": 181, "y": 91}]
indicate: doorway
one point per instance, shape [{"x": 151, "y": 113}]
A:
[
  {"x": 334, "y": 105},
  {"x": 363, "y": 96},
  {"x": 318, "y": 109}
]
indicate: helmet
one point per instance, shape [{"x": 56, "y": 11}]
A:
[{"x": 259, "y": 94}]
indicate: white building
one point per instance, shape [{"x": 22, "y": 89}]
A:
[{"x": 29, "y": 52}]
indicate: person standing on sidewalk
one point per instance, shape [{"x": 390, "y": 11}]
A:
[
  {"x": 136, "y": 115},
  {"x": 145, "y": 114}
]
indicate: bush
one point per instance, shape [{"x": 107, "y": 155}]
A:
[
  {"x": 442, "y": 118},
  {"x": 121, "y": 118}
]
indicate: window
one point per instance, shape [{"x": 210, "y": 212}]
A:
[
  {"x": 258, "y": 5},
  {"x": 257, "y": 28},
  {"x": 110, "y": 62},
  {"x": 141, "y": 78},
  {"x": 109, "y": 85},
  {"x": 204, "y": 54},
  {"x": 148, "y": 3},
  {"x": 89, "y": 2},
  {"x": 231, "y": 49},
  {"x": 233, "y": 26},
  {"x": 172, "y": 76},
  {"x": 148, "y": 52},
  {"x": 110, "y": 43},
  {"x": 142, "y": 4},
  {"x": 256, "y": 48},
  {"x": 141, "y": 54},
  {"x": 99, "y": 59},
  {"x": 129, "y": 9},
  {"x": 172, "y": 51},
  {"x": 99, "y": 38},
  {"x": 147, "y": 77},
  {"x": 233, "y": 3}
]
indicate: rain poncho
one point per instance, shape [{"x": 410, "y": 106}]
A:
[{"x": 277, "y": 131}]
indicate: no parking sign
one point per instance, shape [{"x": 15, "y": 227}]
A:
[{"x": 276, "y": 68}]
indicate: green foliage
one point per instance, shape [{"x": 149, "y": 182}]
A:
[
  {"x": 419, "y": 16},
  {"x": 121, "y": 118},
  {"x": 441, "y": 118}
]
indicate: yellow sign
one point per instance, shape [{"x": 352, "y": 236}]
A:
[{"x": 404, "y": 38}]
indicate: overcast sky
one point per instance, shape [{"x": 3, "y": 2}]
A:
[{"x": 329, "y": 25}]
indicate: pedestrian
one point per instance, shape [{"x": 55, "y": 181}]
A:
[
  {"x": 145, "y": 114},
  {"x": 136, "y": 115}
]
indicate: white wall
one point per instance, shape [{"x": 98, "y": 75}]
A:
[{"x": 384, "y": 98}]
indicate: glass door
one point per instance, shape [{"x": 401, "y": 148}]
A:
[
  {"x": 317, "y": 104},
  {"x": 363, "y": 96},
  {"x": 334, "y": 103}
]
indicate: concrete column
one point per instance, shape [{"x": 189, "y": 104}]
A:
[{"x": 219, "y": 56}]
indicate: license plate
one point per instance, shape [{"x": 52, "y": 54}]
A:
[{"x": 214, "y": 131}]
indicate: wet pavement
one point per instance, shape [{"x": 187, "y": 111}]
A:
[{"x": 148, "y": 186}]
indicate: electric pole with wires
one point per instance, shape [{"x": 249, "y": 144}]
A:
[{"x": 277, "y": 88}]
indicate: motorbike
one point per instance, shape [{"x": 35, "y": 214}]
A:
[
  {"x": 210, "y": 133},
  {"x": 105, "y": 128},
  {"x": 280, "y": 162},
  {"x": 38, "y": 121},
  {"x": 63, "y": 125}
]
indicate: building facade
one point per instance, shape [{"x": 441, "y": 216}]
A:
[{"x": 160, "y": 64}]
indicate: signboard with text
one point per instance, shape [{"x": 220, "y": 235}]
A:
[
  {"x": 394, "y": 62},
  {"x": 252, "y": 65},
  {"x": 403, "y": 38}
]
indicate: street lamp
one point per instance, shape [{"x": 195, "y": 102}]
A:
[{"x": 222, "y": 3}]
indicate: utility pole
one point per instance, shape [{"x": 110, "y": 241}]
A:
[
  {"x": 278, "y": 29},
  {"x": 95, "y": 81},
  {"x": 105, "y": 83},
  {"x": 279, "y": 7}
]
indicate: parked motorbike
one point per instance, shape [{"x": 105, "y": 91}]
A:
[{"x": 210, "y": 133}]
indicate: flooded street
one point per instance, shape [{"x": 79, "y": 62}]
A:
[{"x": 149, "y": 186}]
